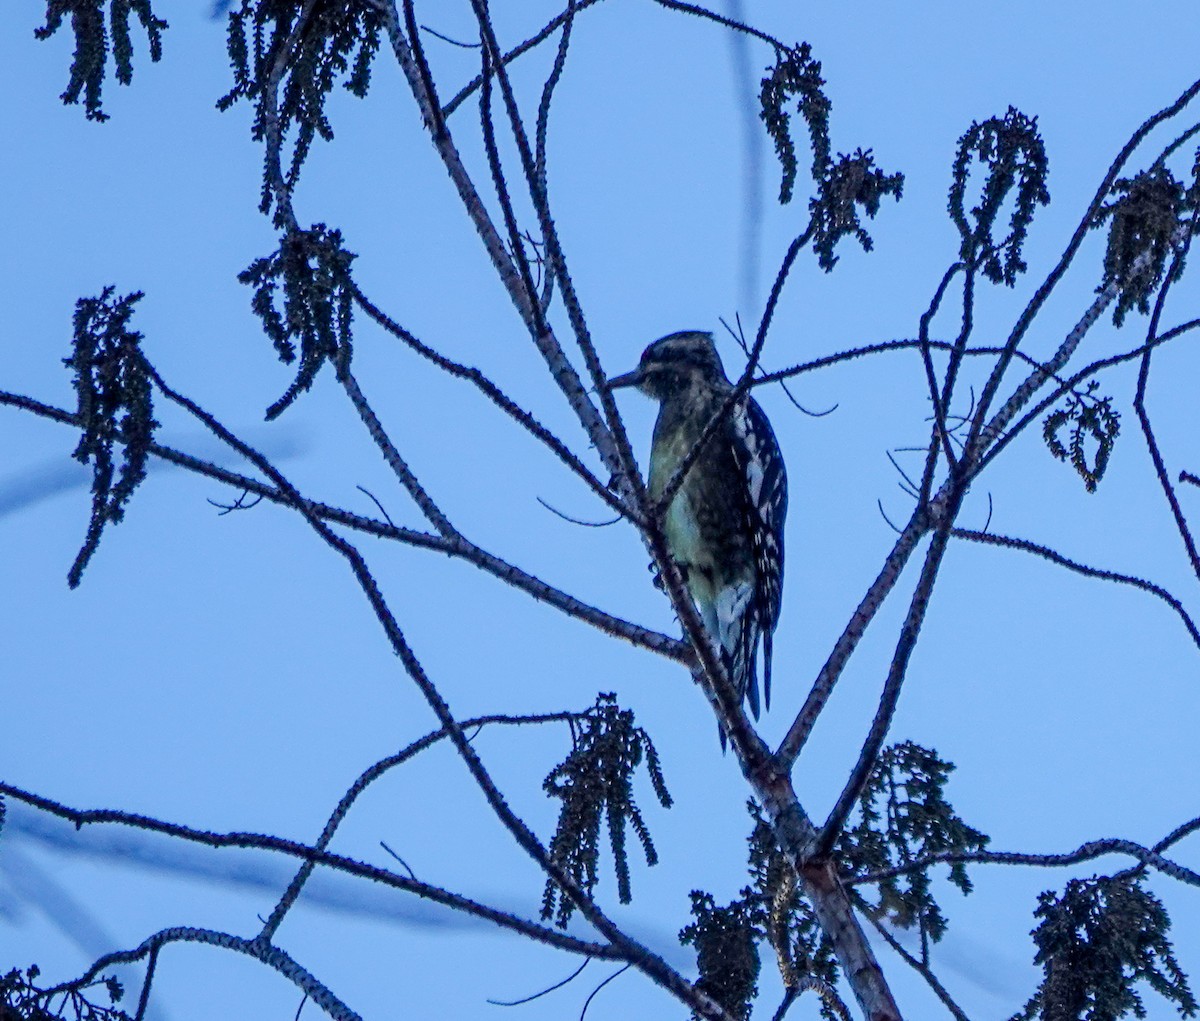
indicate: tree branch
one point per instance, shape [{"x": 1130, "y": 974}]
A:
[
  {"x": 459, "y": 547},
  {"x": 1091, "y": 572},
  {"x": 1139, "y": 402},
  {"x": 897, "y": 671},
  {"x": 527, "y": 307},
  {"x": 339, "y": 863},
  {"x": 847, "y": 642},
  {"x": 546, "y": 31},
  {"x": 649, "y": 963},
  {"x": 1069, "y": 385},
  {"x": 919, "y": 967},
  {"x": 1084, "y": 852},
  {"x": 369, "y": 776},
  {"x": 270, "y": 955},
  {"x": 980, "y": 435},
  {"x": 495, "y": 395}
]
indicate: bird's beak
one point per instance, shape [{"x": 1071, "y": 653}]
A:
[{"x": 633, "y": 378}]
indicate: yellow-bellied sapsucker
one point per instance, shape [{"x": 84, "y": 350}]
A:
[{"x": 724, "y": 525}]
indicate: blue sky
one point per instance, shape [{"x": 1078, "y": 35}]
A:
[{"x": 223, "y": 670}]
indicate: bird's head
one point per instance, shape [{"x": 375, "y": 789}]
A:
[{"x": 675, "y": 363}]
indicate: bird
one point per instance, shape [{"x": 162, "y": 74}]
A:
[{"x": 724, "y": 525}]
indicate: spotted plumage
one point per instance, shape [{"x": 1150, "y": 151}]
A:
[{"x": 725, "y": 524}]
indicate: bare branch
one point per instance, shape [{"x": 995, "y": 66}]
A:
[
  {"x": 493, "y": 394},
  {"x": 940, "y": 396},
  {"x": 624, "y": 467},
  {"x": 707, "y": 15},
  {"x": 880, "y": 725},
  {"x": 1069, "y": 386},
  {"x": 340, "y": 863},
  {"x": 527, "y": 306},
  {"x": 1091, "y": 572},
  {"x": 1139, "y": 402},
  {"x": 982, "y": 436},
  {"x": 393, "y": 458},
  {"x": 588, "y": 1002},
  {"x": 458, "y": 547},
  {"x": 272, "y": 956},
  {"x": 847, "y": 642},
  {"x": 1177, "y": 834},
  {"x": 542, "y": 992},
  {"x": 147, "y": 982},
  {"x": 543, "y": 34},
  {"x": 369, "y": 776},
  {"x": 919, "y": 967},
  {"x": 1084, "y": 852}
]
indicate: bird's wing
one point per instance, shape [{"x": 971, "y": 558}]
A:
[{"x": 757, "y": 453}]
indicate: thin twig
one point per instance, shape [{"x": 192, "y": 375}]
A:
[
  {"x": 460, "y": 548},
  {"x": 939, "y": 400},
  {"x": 394, "y": 460},
  {"x": 919, "y": 967},
  {"x": 270, "y": 955},
  {"x": 588, "y": 1002},
  {"x": 541, "y": 36},
  {"x": 494, "y": 394},
  {"x": 720, "y": 19},
  {"x": 1055, "y": 557},
  {"x": 369, "y": 776},
  {"x": 446, "y": 39},
  {"x": 577, "y": 521},
  {"x": 557, "y": 985},
  {"x": 1139, "y": 401},
  {"x": 980, "y": 436},
  {"x": 339, "y": 863},
  {"x": 1084, "y": 852},
  {"x": 540, "y": 133}
]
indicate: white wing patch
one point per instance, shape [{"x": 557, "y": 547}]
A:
[
  {"x": 754, "y": 461},
  {"x": 757, "y": 454},
  {"x": 730, "y": 606}
]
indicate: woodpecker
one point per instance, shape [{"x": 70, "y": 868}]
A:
[{"x": 724, "y": 526}]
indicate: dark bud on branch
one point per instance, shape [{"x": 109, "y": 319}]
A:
[
  {"x": 338, "y": 42},
  {"x": 115, "y": 407},
  {"x": 726, "y": 942},
  {"x": 848, "y": 185},
  {"x": 1145, "y": 221},
  {"x": 313, "y": 270},
  {"x": 1094, "y": 944},
  {"x": 1012, "y": 155},
  {"x": 786, "y": 919},
  {"x": 593, "y": 782},
  {"x": 796, "y": 75},
  {"x": 902, "y": 815},
  {"x": 92, "y": 43},
  {"x": 1087, "y": 416}
]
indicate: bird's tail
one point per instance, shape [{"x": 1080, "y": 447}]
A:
[{"x": 741, "y": 662}]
